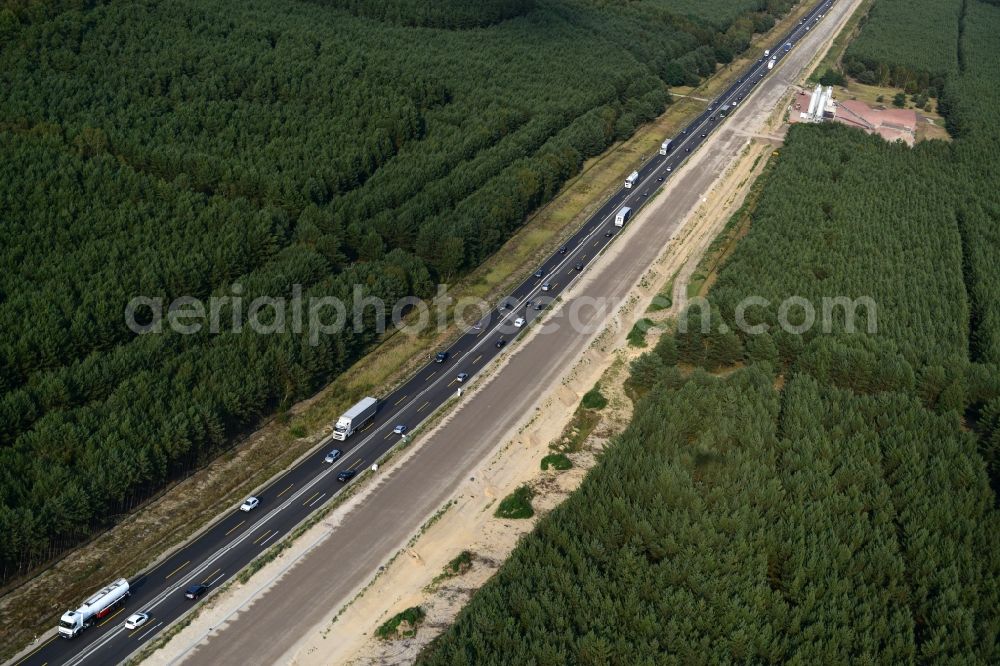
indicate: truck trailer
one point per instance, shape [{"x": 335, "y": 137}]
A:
[
  {"x": 622, "y": 217},
  {"x": 354, "y": 418},
  {"x": 98, "y": 606},
  {"x": 665, "y": 147},
  {"x": 632, "y": 179}
]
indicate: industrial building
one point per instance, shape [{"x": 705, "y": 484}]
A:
[{"x": 819, "y": 106}]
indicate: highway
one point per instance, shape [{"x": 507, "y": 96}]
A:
[{"x": 232, "y": 542}]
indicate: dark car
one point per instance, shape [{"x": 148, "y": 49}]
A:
[
  {"x": 347, "y": 475},
  {"x": 540, "y": 273},
  {"x": 609, "y": 233},
  {"x": 687, "y": 150},
  {"x": 441, "y": 357},
  {"x": 578, "y": 266},
  {"x": 659, "y": 179},
  {"x": 500, "y": 343},
  {"x": 703, "y": 135},
  {"x": 195, "y": 591},
  {"x": 539, "y": 305},
  {"x": 562, "y": 250},
  {"x": 711, "y": 118}
]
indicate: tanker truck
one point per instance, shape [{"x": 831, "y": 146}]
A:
[{"x": 98, "y": 606}]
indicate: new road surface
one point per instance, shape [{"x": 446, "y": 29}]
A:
[{"x": 221, "y": 551}]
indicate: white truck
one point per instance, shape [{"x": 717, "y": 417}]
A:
[
  {"x": 354, "y": 418},
  {"x": 622, "y": 217},
  {"x": 632, "y": 179},
  {"x": 665, "y": 147},
  {"x": 767, "y": 52},
  {"x": 770, "y": 63},
  {"x": 99, "y": 605}
]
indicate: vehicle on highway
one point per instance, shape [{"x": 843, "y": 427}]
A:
[
  {"x": 354, "y": 418},
  {"x": 462, "y": 376},
  {"x": 249, "y": 504},
  {"x": 519, "y": 322},
  {"x": 578, "y": 265},
  {"x": 669, "y": 169},
  {"x": 562, "y": 250},
  {"x": 609, "y": 233},
  {"x": 546, "y": 286},
  {"x": 347, "y": 475},
  {"x": 195, "y": 591},
  {"x": 632, "y": 179},
  {"x": 136, "y": 620},
  {"x": 506, "y": 306},
  {"x": 704, "y": 134},
  {"x": 332, "y": 456},
  {"x": 400, "y": 429},
  {"x": 98, "y": 605},
  {"x": 539, "y": 305},
  {"x": 666, "y": 146},
  {"x": 712, "y": 118},
  {"x": 687, "y": 150},
  {"x": 623, "y": 216},
  {"x": 540, "y": 273},
  {"x": 500, "y": 343},
  {"x": 441, "y": 357},
  {"x": 659, "y": 179}
]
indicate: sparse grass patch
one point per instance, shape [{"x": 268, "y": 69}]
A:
[
  {"x": 594, "y": 399},
  {"x": 402, "y": 625},
  {"x": 637, "y": 336},
  {"x": 517, "y": 505},
  {"x": 557, "y": 461},
  {"x": 664, "y": 300}
]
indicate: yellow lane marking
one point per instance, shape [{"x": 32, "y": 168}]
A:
[
  {"x": 400, "y": 400},
  {"x": 178, "y": 568},
  {"x": 236, "y": 527},
  {"x": 366, "y": 427},
  {"x": 257, "y": 540},
  {"x": 286, "y": 489},
  {"x": 209, "y": 576},
  {"x": 311, "y": 498},
  {"x": 430, "y": 375},
  {"x": 477, "y": 359},
  {"x": 452, "y": 382},
  {"x": 423, "y": 405}
]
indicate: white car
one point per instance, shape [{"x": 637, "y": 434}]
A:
[
  {"x": 546, "y": 286},
  {"x": 136, "y": 620},
  {"x": 250, "y": 504},
  {"x": 519, "y": 322}
]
